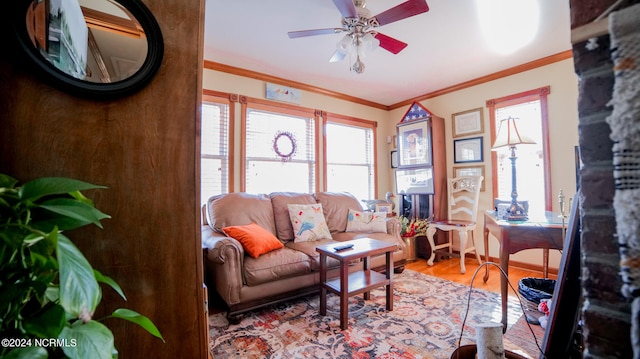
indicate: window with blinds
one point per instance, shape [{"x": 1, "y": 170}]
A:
[
  {"x": 350, "y": 164},
  {"x": 214, "y": 157},
  {"x": 280, "y": 150},
  {"x": 530, "y": 167}
]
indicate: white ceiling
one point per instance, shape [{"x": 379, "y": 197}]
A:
[{"x": 446, "y": 44}]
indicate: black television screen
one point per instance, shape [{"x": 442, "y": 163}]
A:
[{"x": 414, "y": 181}]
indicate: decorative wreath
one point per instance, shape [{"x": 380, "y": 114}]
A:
[{"x": 283, "y": 148}]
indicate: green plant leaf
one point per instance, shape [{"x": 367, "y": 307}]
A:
[
  {"x": 27, "y": 353},
  {"x": 46, "y": 222},
  {"x": 75, "y": 209},
  {"x": 89, "y": 340},
  {"x": 47, "y": 324},
  {"x": 4, "y": 205},
  {"x": 7, "y": 181},
  {"x": 43, "y": 244},
  {"x": 46, "y": 186},
  {"x": 79, "y": 290},
  {"x": 52, "y": 294},
  {"x": 141, "y": 320},
  {"x": 80, "y": 197},
  {"x": 110, "y": 282}
]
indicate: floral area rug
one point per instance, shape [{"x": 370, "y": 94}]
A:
[{"x": 425, "y": 323}]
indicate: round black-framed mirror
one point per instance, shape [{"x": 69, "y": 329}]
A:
[{"x": 46, "y": 30}]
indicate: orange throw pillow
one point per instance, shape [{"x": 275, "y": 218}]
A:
[{"x": 254, "y": 239}]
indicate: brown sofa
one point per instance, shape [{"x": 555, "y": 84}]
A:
[{"x": 244, "y": 282}]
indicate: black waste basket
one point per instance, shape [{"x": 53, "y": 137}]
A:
[{"x": 536, "y": 289}]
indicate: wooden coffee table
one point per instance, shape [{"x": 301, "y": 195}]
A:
[{"x": 362, "y": 281}]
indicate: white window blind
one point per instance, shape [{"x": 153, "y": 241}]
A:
[
  {"x": 214, "y": 157},
  {"x": 269, "y": 137},
  {"x": 350, "y": 159},
  {"x": 530, "y": 160}
]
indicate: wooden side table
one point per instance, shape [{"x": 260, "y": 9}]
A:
[
  {"x": 543, "y": 232},
  {"x": 363, "y": 281}
]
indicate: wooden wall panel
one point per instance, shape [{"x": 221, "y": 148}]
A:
[
  {"x": 145, "y": 148},
  {"x": 441, "y": 201}
]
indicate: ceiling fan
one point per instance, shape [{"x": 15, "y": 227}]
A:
[{"x": 359, "y": 28}]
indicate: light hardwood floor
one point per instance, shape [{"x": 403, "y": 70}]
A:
[{"x": 449, "y": 269}]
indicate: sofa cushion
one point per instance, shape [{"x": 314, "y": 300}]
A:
[
  {"x": 254, "y": 239},
  {"x": 358, "y": 221},
  {"x": 279, "y": 201},
  {"x": 275, "y": 265},
  {"x": 309, "y": 248},
  {"x": 308, "y": 222},
  {"x": 239, "y": 208},
  {"x": 336, "y": 208}
]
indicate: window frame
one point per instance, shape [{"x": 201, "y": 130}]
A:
[
  {"x": 285, "y": 109},
  {"x": 355, "y": 122},
  {"x": 216, "y": 97},
  {"x": 539, "y": 94}
]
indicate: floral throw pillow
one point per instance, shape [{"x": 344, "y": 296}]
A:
[
  {"x": 366, "y": 221},
  {"x": 308, "y": 222}
]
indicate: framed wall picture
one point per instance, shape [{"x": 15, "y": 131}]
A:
[
  {"x": 282, "y": 93},
  {"x": 414, "y": 143},
  {"x": 384, "y": 208},
  {"x": 467, "y": 123},
  {"x": 468, "y": 150},
  {"x": 394, "y": 159},
  {"x": 461, "y": 171}
]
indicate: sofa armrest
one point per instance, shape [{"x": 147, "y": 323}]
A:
[
  {"x": 394, "y": 227},
  {"x": 220, "y": 248},
  {"x": 224, "y": 258}
]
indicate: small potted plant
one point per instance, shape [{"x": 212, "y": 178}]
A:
[
  {"x": 413, "y": 227},
  {"x": 410, "y": 229},
  {"x": 49, "y": 291}
]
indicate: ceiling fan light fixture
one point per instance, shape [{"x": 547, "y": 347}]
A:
[
  {"x": 345, "y": 44},
  {"x": 363, "y": 50},
  {"x": 369, "y": 42},
  {"x": 358, "y": 66},
  {"x": 359, "y": 25}
]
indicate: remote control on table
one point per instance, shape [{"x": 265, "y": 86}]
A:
[{"x": 342, "y": 247}]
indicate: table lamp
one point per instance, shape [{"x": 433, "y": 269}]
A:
[{"x": 508, "y": 135}]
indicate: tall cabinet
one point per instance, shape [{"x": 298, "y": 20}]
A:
[{"x": 421, "y": 175}]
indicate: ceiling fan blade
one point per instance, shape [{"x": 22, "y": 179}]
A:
[
  {"x": 337, "y": 56},
  {"x": 346, "y": 8},
  {"x": 402, "y": 11},
  {"x": 390, "y": 44},
  {"x": 304, "y": 33}
]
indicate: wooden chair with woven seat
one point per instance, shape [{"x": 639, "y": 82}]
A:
[{"x": 464, "y": 193}]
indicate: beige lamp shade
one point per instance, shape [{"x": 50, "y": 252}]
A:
[{"x": 509, "y": 135}]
